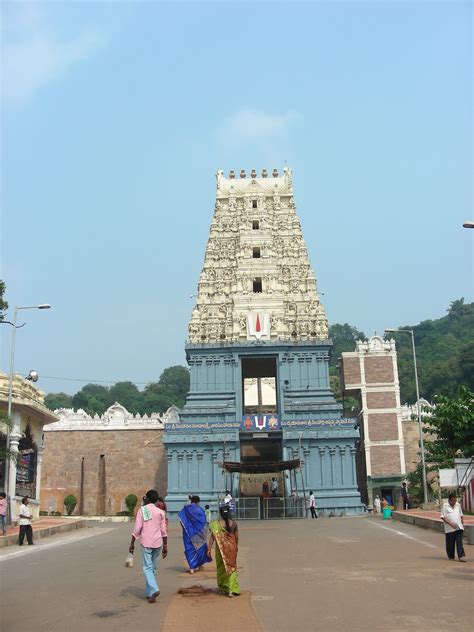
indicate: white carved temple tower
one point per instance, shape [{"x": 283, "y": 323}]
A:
[{"x": 256, "y": 259}]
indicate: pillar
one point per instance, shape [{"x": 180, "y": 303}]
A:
[
  {"x": 14, "y": 441},
  {"x": 39, "y": 464}
]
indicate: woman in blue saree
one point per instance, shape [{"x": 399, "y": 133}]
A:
[{"x": 195, "y": 531}]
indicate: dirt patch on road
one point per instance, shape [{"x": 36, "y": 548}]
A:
[{"x": 198, "y": 609}]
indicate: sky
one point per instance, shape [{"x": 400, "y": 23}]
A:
[{"x": 116, "y": 116}]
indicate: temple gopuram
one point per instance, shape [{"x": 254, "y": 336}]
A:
[{"x": 260, "y": 419}]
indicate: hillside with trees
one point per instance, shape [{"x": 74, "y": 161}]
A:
[{"x": 444, "y": 353}]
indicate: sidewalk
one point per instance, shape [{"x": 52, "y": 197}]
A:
[
  {"x": 426, "y": 519},
  {"x": 43, "y": 528}
]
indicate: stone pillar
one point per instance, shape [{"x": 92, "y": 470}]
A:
[
  {"x": 180, "y": 470},
  {"x": 14, "y": 441},
  {"x": 342, "y": 456},
  {"x": 306, "y": 452},
  {"x": 190, "y": 485},
  {"x": 322, "y": 452},
  {"x": 199, "y": 469},
  {"x": 353, "y": 466},
  {"x": 39, "y": 464},
  {"x": 332, "y": 453}
]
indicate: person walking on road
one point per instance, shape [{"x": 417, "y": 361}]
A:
[
  {"x": 377, "y": 504},
  {"x": 312, "y": 505},
  {"x": 225, "y": 534},
  {"x": 3, "y": 512},
  {"x": 453, "y": 518},
  {"x": 24, "y": 522},
  {"x": 150, "y": 527},
  {"x": 195, "y": 531}
]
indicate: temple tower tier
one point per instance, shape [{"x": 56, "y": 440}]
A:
[{"x": 258, "y": 353}]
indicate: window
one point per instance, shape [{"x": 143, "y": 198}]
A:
[
  {"x": 257, "y": 285},
  {"x": 256, "y": 253},
  {"x": 255, "y": 224},
  {"x": 254, "y": 203}
]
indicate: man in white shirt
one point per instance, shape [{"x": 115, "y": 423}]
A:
[
  {"x": 312, "y": 505},
  {"x": 227, "y": 497},
  {"x": 452, "y": 516},
  {"x": 274, "y": 486},
  {"x": 24, "y": 522}
]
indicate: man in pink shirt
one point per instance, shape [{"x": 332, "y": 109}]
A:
[{"x": 150, "y": 527}]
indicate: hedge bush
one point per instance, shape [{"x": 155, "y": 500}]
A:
[
  {"x": 131, "y": 502},
  {"x": 70, "y": 503}
]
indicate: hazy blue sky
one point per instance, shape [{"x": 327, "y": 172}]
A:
[{"x": 117, "y": 115}]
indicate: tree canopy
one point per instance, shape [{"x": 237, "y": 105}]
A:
[
  {"x": 451, "y": 422},
  {"x": 171, "y": 388},
  {"x": 3, "y": 303}
]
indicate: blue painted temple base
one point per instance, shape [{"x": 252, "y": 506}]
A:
[{"x": 305, "y": 425}]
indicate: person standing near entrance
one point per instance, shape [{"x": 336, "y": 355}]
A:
[
  {"x": 24, "y": 522},
  {"x": 274, "y": 486},
  {"x": 453, "y": 519},
  {"x": 150, "y": 527},
  {"x": 405, "y": 498},
  {"x": 312, "y": 505},
  {"x": 377, "y": 504}
]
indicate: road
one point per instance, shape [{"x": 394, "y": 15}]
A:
[{"x": 326, "y": 574}]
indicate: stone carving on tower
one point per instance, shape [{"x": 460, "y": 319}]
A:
[{"x": 257, "y": 281}]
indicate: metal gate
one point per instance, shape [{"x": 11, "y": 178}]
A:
[{"x": 254, "y": 508}]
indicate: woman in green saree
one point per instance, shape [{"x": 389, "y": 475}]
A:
[{"x": 225, "y": 534}]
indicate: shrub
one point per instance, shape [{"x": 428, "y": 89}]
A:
[
  {"x": 70, "y": 502},
  {"x": 43, "y": 513},
  {"x": 55, "y": 513},
  {"x": 131, "y": 501},
  {"x": 123, "y": 513}
]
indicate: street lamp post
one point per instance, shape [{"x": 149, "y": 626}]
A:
[
  {"x": 10, "y": 398},
  {"x": 418, "y": 409}
]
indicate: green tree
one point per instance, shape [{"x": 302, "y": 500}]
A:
[
  {"x": 466, "y": 363},
  {"x": 127, "y": 394},
  {"x": 451, "y": 422},
  {"x": 344, "y": 338},
  {"x": 93, "y": 398},
  {"x": 58, "y": 400},
  {"x": 172, "y": 388},
  {"x": 5, "y": 425},
  {"x": 3, "y": 303}
]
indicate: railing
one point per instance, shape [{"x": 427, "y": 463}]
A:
[
  {"x": 254, "y": 508},
  {"x": 247, "y": 508}
]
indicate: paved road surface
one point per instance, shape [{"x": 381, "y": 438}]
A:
[{"x": 326, "y": 574}]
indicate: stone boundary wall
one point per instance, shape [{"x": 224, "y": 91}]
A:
[{"x": 102, "y": 459}]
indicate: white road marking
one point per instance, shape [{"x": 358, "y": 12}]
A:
[
  {"x": 27, "y": 550},
  {"x": 404, "y": 535}
]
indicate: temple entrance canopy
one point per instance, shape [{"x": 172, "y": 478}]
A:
[{"x": 258, "y": 353}]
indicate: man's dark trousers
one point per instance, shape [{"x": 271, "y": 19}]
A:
[
  {"x": 454, "y": 539},
  {"x": 26, "y": 529}
]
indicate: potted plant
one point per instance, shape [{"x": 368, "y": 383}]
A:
[{"x": 70, "y": 503}]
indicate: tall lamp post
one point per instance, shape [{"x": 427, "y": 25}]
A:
[
  {"x": 418, "y": 409},
  {"x": 10, "y": 396}
]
